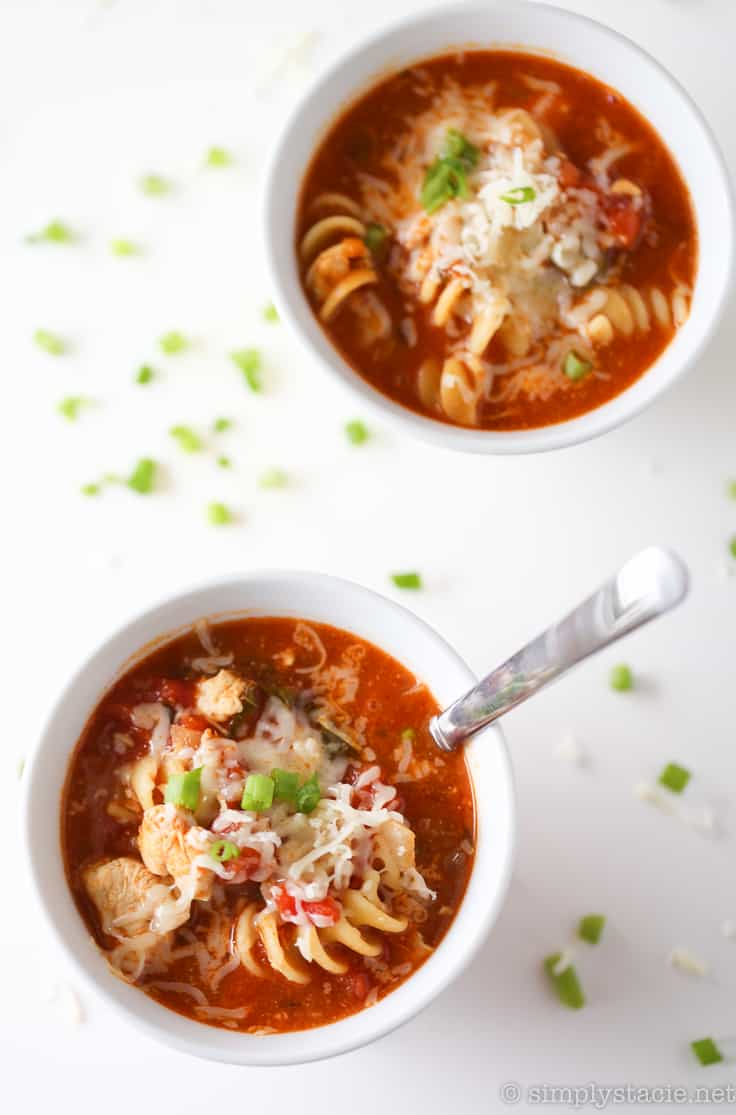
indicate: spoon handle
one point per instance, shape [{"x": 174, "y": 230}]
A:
[{"x": 647, "y": 586}]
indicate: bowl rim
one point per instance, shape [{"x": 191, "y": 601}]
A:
[
  {"x": 622, "y": 408},
  {"x": 207, "y": 1042}
]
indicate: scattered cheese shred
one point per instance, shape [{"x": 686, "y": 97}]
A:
[{"x": 684, "y": 960}]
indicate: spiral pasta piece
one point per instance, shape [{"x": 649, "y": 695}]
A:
[
  {"x": 338, "y": 201},
  {"x": 245, "y": 939},
  {"x": 312, "y": 949},
  {"x": 268, "y": 931},
  {"x": 364, "y": 908},
  {"x": 361, "y": 909},
  {"x": 336, "y": 270},
  {"x": 347, "y": 934},
  {"x": 428, "y": 383},
  {"x": 485, "y": 322},
  {"x": 448, "y": 300},
  {"x": 461, "y": 388},
  {"x": 627, "y": 310},
  {"x": 322, "y": 231},
  {"x": 343, "y": 290}
]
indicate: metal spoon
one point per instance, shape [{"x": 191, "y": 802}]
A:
[{"x": 646, "y": 587}]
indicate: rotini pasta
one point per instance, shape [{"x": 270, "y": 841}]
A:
[
  {"x": 532, "y": 228},
  {"x": 269, "y": 878},
  {"x": 287, "y": 947},
  {"x": 334, "y": 252},
  {"x": 461, "y": 389},
  {"x": 626, "y": 311}
]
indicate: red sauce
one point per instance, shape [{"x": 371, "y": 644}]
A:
[
  {"x": 439, "y": 809},
  {"x": 659, "y": 250}
]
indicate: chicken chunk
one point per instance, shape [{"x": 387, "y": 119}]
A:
[
  {"x": 219, "y": 698},
  {"x": 394, "y": 845},
  {"x": 168, "y": 844},
  {"x": 222, "y": 777},
  {"x": 124, "y": 893}
]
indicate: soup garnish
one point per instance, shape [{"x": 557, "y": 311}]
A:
[
  {"x": 496, "y": 240},
  {"x": 258, "y": 829}
]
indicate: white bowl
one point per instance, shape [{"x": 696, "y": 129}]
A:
[
  {"x": 580, "y": 42},
  {"x": 319, "y": 598}
]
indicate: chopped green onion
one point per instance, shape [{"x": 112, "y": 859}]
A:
[
  {"x": 408, "y": 733},
  {"x": 407, "y": 580},
  {"x": 258, "y": 793},
  {"x": 224, "y": 462},
  {"x": 188, "y": 440},
  {"x": 447, "y": 176},
  {"x": 173, "y": 343},
  {"x": 144, "y": 374},
  {"x": 71, "y": 407},
  {"x": 707, "y": 1052},
  {"x": 444, "y": 180},
  {"x": 218, "y": 514},
  {"x": 356, "y": 432},
  {"x": 50, "y": 342},
  {"x": 375, "y": 237},
  {"x": 575, "y": 367},
  {"x": 154, "y": 185},
  {"x": 286, "y": 785},
  {"x": 590, "y": 928},
  {"x": 732, "y": 547},
  {"x": 675, "y": 777},
  {"x": 218, "y": 157},
  {"x": 220, "y": 425},
  {"x": 731, "y": 489},
  {"x": 124, "y": 248},
  {"x": 249, "y": 361},
  {"x": 308, "y": 795},
  {"x": 183, "y": 789},
  {"x": 458, "y": 147},
  {"x": 222, "y": 851},
  {"x": 270, "y": 313},
  {"x": 55, "y": 232},
  {"x": 565, "y": 983},
  {"x": 273, "y": 478},
  {"x": 621, "y": 678},
  {"x": 519, "y": 195},
  {"x": 143, "y": 476},
  {"x": 90, "y": 489}
]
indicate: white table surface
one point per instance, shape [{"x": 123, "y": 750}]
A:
[{"x": 93, "y": 95}]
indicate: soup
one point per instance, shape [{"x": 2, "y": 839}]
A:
[
  {"x": 496, "y": 240},
  {"x": 258, "y": 829}
]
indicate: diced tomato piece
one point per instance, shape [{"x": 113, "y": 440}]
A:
[
  {"x": 360, "y": 984},
  {"x": 173, "y": 691},
  {"x": 625, "y": 224},
  {"x": 193, "y": 721},
  {"x": 324, "y": 908},
  {"x": 351, "y": 775},
  {"x": 243, "y": 867},
  {"x": 569, "y": 175},
  {"x": 285, "y": 903}
]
